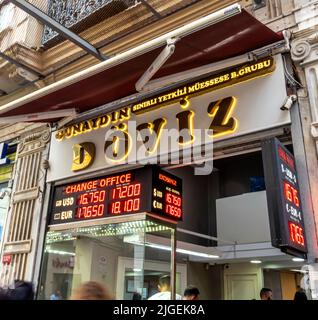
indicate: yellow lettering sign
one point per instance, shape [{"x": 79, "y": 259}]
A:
[
  {"x": 93, "y": 124},
  {"x": 218, "y": 81},
  {"x": 83, "y": 155}
]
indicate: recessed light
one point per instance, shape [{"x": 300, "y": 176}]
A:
[
  {"x": 256, "y": 261},
  {"x": 298, "y": 259}
]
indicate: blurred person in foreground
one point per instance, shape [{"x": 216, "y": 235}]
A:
[
  {"x": 300, "y": 295},
  {"x": 136, "y": 296},
  {"x": 56, "y": 295},
  {"x": 266, "y": 294},
  {"x": 164, "y": 288},
  {"x": 23, "y": 290},
  {"x": 91, "y": 290},
  {"x": 191, "y": 293}
]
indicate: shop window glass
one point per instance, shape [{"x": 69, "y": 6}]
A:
[
  {"x": 115, "y": 255},
  {"x": 257, "y": 184}
]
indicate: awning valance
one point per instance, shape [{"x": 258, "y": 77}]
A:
[{"x": 234, "y": 36}]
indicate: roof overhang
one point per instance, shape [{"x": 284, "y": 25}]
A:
[{"x": 116, "y": 78}]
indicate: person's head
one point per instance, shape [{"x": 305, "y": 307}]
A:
[
  {"x": 266, "y": 294},
  {"x": 191, "y": 293},
  {"x": 164, "y": 283},
  {"x": 58, "y": 293},
  {"x": 91, "y": 290},
  {"x": 300, "y": 296},
  {"x": 4, "y": 294},
  {"x": 137, "y": 296},
  {"x": 23, "y": 290}
]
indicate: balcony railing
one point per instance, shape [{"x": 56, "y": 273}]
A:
[{"x": 79, "y": 15}]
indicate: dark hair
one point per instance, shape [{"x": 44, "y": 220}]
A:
[
  {"x": 4, "y": 294},
  {"x": 164, "y": 281},
  {"x": 23, "y": 290},
  {"x": 136, "y": 296},
  {"x": 91, "y": 290},
  {"x": 191, "y": 291},
  {"x": 264, "y": 291},
  {"x": 300, "y": 296}
]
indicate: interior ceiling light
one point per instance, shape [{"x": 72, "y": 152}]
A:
[
  {"x": 167, "y": 248},
  {"x": 256, "y": 261},
  {"x": 298, "y": 259},
  {"x": 183, "y": 251},
  {"x": 60, "y": 252},
  {"x": 298, "y": 270}
]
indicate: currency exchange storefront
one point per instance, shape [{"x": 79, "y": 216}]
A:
[{"x": 122, "y": 184}]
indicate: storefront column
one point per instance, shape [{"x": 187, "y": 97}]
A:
[
  {"x": 305, "y": 55},
  {"x": 173, "y": 263},
  {"x": 22, "y": 227},
  {"x": 303, "y": 170}
]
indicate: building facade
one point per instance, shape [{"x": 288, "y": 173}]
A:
[{"x": 47, "y": 59}]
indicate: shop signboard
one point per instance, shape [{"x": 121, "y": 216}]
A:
[
  {"x": 193, "y": 116},
  {"x": 3, "y": 154},
  {"x": 147, "y": 189},
  {"x": 283, "y": 198},
  {"x": 6, "y": 259}
]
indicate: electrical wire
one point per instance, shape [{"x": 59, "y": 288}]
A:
[{"x": 289, "y": 76}]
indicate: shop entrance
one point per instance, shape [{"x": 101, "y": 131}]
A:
[
  {"x": 241, "y": 287},
  {"x": 63, "y": 283},
  {"x": 153, "y": 269},
  {"x": 115, "y": 253},
  {"x": 230, "y": 205}
]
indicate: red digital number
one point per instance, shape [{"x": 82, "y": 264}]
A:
[
  {"x": 92, "y": 197},
  {"x": 173, "y": 211},
  {"x": 125, "y": 206},
  {"x": 173, "y": 199},
  {"x": 83, "y": 199},
  {"x": 291, "y": 194},
  {"x": 173, "y": 205},
  {"x": 132, "y": 205},
  {"x": 99, "y": 196},
  {"x": 87, "y": 212},
  {"x": 286, "y": 158},
  {"x": 116, "y": 207},
  {"x": 132, "y": 190},
  {"x": 296, "y": 234}
]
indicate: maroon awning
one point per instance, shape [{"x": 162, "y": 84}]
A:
[{"x": 237, "y": 35}]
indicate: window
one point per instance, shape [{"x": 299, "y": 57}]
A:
[
  {"x": 4, "y": 205},
  {"x": 97, "y": 252},
  {"x": 6, "y": 16}
]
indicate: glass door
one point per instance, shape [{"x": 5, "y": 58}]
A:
[{"x": 94, "y": 253}]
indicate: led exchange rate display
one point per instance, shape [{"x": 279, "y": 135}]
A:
[
  {"x": 283, "y": 198},
  {"x": 149, "y": 189},
  {"x": 166, "y": 195}
]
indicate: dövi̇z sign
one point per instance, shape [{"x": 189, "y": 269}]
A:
[
  {"x": 233, "y": 76},
  {"x": 183, "y": 122},
  {"x": 119, "y": 140}
]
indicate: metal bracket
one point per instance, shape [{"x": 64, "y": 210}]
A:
[
  {"x": 68, "y": 34},
  {"x": 32, "y": 117},
  {"x": 164, "y": 55}
]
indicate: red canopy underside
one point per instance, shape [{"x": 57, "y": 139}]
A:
[{"x": 235, "y": 36}]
